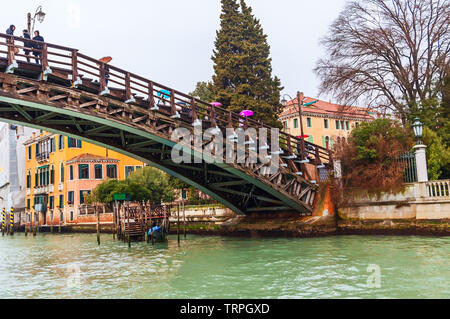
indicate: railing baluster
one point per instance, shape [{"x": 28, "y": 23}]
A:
[
  {"x": 11, "y": 49},
  {"x": 74, "y": 66}
]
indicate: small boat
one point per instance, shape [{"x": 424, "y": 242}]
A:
[{"x": 159, "y": 232}]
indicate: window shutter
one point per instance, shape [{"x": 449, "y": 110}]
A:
[{"x": 324, "y": 142}]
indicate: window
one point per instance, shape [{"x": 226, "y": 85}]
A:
[
  {"x": 337, "y": 125},
  {"x": 295, "y": 123},
  {"x": 71, "y": 216},
  {"x": 138, "y": 167},
  {"x": 98, "y": 170},
  {"x": 62, "y": 173},
  {"x": 29, "y": 152},
  {"x": 83, "y": 171},
  {"x": 37, "y": 149},
  {"x": 52, "y": 145},
  {"x": 325, "y": 123},
  {"x": 73, "y": 143},
  {"x": 61, "y": 142},
  {"x": 83, "y": 195},
  {"x": 128, "y": 170},
  {"x": 61, "y": 201},
  {"x": 28, "y": 203},
  {"x": 70, "y": 197},
  {"x": 327, "y": 142},
  {"x": 308, "y": 122},
  {"x": 52, "y": 202},
  {"x": 347, "y": 126},
  {"x": 71, "y": 172},
  {"x": 111, "y": 171},
  {"x": 342, "y": 125},
  {"x": 29, "y": 180},
  {"x": 285, "y": 125},
  {"x": 356, "y": 124},
  {"x": 36, "y": 179}
]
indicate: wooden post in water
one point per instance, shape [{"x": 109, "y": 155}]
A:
[
  {"x": 178, "y": 223},
  {"x": 98, "y": 224},
  {"x": 128, "y": 218},
  {"x": 184, "y": 220},
  {"x": 11, "y": 226},
  {"x": 3, "y": 222},
  {"x": 59, "y": 223},
  {"x": 33, "y": 227},
  {"x": 151, "y": 225},
  {"x": 114, "y": 220},
  {"x": 26, "y": 224},
  {"x": 147, "y": 238}
]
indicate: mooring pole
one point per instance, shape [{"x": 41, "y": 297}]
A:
[
  {"x": 151, "y": 225},
  {"x": 184, "y": 220},
  {"x": 59, "y": 222},
  {"x": 98, "y": 224},
  {"x": 114, "y": 220},
  {"x": 3, "y": 221},
  {"x": 26, "y": 224},
  {"x": 178, "y": 223},
  {"x": 128, "y": 216},
  {"x": 11, "y": 226}
]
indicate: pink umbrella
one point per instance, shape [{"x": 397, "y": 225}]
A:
[
  {"x": 216, "y": 104},
  {"x": 246, "y": 113}
]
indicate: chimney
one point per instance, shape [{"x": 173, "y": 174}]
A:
[{"x": 302, "y": 96}]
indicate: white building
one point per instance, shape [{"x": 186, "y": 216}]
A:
[{"x": 12, "y": 166}]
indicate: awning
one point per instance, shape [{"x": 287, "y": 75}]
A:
[{"x": 45, "y": 166}]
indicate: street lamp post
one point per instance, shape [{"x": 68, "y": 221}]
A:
[
  {"x": 300, "y": 104},
  {"x": 39, "y": 15}
]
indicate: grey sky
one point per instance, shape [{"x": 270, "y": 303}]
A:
[{"x": 171, "y": 41}]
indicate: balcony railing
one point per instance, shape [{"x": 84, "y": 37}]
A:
[{"x": 43, "y": 157}]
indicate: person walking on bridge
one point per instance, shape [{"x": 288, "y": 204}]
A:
[
  {"x": 27, "y": 44},
  {"x": 37, "y": 46}
]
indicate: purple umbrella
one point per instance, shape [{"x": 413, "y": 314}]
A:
[
  {"x": 216, "y": 104},
  {"x": 246, "y": 113}
]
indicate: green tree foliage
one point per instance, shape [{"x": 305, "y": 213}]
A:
[
  {"x": 204, "y": 91},
  {"x": 146, "y": 184},
  {"x": 438, "y": 155},
  {"x": 154, "y": 181},
  {"x": 242, "y": 64}
]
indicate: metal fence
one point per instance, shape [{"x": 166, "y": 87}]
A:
[{"x": 409, "y": 160}]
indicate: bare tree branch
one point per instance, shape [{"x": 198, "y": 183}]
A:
[{"x": 390, "y": 54}]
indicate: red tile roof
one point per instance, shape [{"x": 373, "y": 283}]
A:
[
  {"x": 326, "y": 108},
  {"x": 91, "y": 158}
]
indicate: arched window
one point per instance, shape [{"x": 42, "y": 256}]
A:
[
  {"x": 327, "y": 142},
  {"x": 343, "y": 140}
]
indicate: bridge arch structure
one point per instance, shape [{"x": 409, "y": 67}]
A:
[{"x": 72, "y": 94}]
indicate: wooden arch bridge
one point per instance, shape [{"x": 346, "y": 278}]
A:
[{"x": 72, "y": 94}]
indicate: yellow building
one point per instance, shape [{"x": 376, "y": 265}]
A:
[
  {"x": 54, "y": 163},
  {"x": 323, "y": 122}
]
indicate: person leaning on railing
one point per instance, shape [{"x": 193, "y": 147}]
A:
[
  {"x": 37, "y": 46},
  {"x": 27, "y": 44}
]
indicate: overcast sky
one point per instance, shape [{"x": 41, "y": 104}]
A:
[{"x": 171, "y": 41}]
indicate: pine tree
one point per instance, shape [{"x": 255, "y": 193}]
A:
[{"x": 243, "y": 71}]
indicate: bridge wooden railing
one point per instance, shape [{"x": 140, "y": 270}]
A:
[{"x": 106, "y": 79}]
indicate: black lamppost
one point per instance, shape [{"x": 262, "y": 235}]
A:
[
  {"x": 418, "y": 129},
  {"x": 300, "y": 104},
  {"x": 39, "y": 15}
]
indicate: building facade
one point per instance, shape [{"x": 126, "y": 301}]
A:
[
  {"x": 60, "y": 171},
  {"x": 324, "y": 123},
  {"x": 12, "y": 164}
]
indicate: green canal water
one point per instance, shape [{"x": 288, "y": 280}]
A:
[{"x": 73, "y": 266}]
